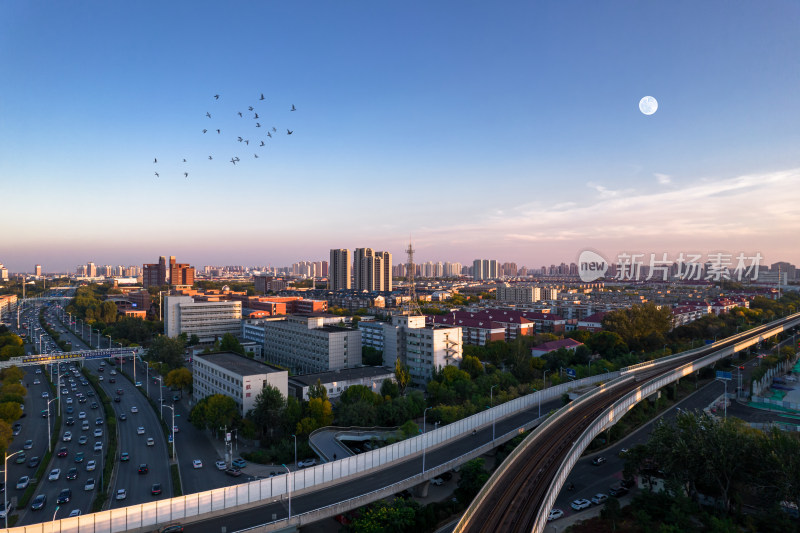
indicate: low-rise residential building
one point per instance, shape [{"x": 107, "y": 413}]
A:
[
  {"x": 337, "y": 381},
  {"x": 310, "y": 343},
  {"x": 547, "y": 347},
  {"x": 592, "y": 323},
  {"x": 208, "y": 320},
  {"x": 233, "y": 375}
]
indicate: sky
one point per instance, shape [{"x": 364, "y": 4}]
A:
[{"x": 503, "y": 130}]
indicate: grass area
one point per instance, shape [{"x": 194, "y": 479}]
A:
[{"x": 177, "y": 490}]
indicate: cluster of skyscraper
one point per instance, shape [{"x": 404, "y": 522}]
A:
[{"x": 370, "y": 270}]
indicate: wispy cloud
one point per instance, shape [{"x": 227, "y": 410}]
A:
[
  {"x": 663, "y": 179},
  {"x": 740, "y": 212}
]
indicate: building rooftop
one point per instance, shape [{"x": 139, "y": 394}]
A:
[
  {"x": 342, "y": 374},
  {"x": 239, "y": 364}
]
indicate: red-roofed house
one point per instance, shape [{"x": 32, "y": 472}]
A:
[
  {"x": 592, "y": 322},
  {"x": 569, "y": 344}
]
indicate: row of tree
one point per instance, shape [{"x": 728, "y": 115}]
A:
[
  {"x": 12, "y": 397},
  {"x": 11, "y": 344}
]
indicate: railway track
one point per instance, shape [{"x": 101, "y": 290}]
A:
[{"x": 520, "y": 492}]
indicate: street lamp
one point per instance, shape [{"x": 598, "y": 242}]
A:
[
  {"x": 425, "y": 439},
  {"x": 109, "y": 341},
  {"x": 160, "y": 393},
  {"x": 147, "y": 377},
  {"x": 173, "y": 431},
  {"x": 289, "y": 488},
  {"x": 53, "y": 522},
  {"x": 295, "y": 451},
  {"x": 5, "y": 482},
  {"x": 49, "y": 438},
  {"x": 491, "y": 404}
]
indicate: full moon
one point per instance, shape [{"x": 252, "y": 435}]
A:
[{"x": 648, "y": 105}]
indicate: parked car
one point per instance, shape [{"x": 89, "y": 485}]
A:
[
  {"x": 235, "y": 472},
  {"x": 437, "y": 481},
  {"x": 555, "y": 514},
  {"x": 580, "y": 504},
  {"x": 239, "y": 463},
  {"x": 597, "y": 461},
  {"x": 599, "y": 498},
  {"x": 221, "y": 465},
  {"x": 617, "y": 491}
]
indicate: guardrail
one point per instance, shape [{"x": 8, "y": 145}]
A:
[{"x": 192, "y": 507}]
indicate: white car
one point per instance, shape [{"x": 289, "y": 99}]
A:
[
  {"x": 23, "y": 482},
  {"x": 75, "y": 512},
  {"x": 67, "y": 436},
  {"x": 82, "y": 415},
  {"x": 36, "y": 381},
  {"x": 91, "y": 465},
  {"x": 3, "y": 511},
  {"x": 150, "y": 441},
  {"x": 140, "y": 430},
  {"x": 54, "y": 474},
  {"x": 197, "y": 463},
  {"x": 599, "y": 498},
  {"x": 581, "y": 504},
  {"x": 555, "y": 514},
  {"x": 134, "y": 409},
  {"x": 221, "y": 465},
  {"x": 89, "y": 484},
  {"x": 45, "y": 394},
  {"x": 98, "y": 432},
  {"x": 98, "y": 446},
  {"x": 121, "y": 494}
]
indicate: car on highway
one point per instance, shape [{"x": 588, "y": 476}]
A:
[
  {"x": 123, "y": 416},
  {"x": 74, "y": 512},
  {"x": 45, "y": 394},
  {"x": 21, "y": 458},
  {"x": 580, "y": 504},
  {"x": 39, "y": 502},
  {"x": 16, "y": 429},
  {"x": 124, "y": 456},
  {"x": 98, "y": 446},
  {"x": 554, "y": 514},
  {"x": 175, "y": 429},
  {"x": 62, "y": 452},
  {"x": 221, "y": 465},
  {"x": 143, "y": 468},
  {"x": 3, "y": 511},
  {"x": 83, "y": 439},
  {"x": 121, "y": 494},
  {"x": 599, "y": 498},
  {"x": 134, "y": 409},
  {"x": 23, "y": 482},
  {"x": 623, "y": 452},
  {"x": 79, "y": 457},
  {"x": 72, "y": 473},
  {"x": 67, "y": 436},
  {"x": 28, "y": 445},
  {"x": 64, "y": 496},
  {"x": 98, "y": 432},
  {"x": 155, "y": 490},
  {"x": 98, "y": 421},
  {"x": 140, "y": 430},
  {"x": 151, "y": 441},
  {"x": 82, "y": 415},
  {"x": 54, "y": 474},
  {"x": 89, "y": 485},
  {"x": 91, "y": 465},
  {"x": 172, "y": 528},
  {"x": 117, "y": 399},
  {"x": 197, "y": 463},
  {"x": 597, "y": 461},
  {"x": 120, "y": 392}
]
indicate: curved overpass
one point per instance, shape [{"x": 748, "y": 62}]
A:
[
  {"x": 520, "y": 494},
  {"x": 349, "y": 483}
]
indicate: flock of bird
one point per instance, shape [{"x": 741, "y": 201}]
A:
[{"x": 261, "y": 143}]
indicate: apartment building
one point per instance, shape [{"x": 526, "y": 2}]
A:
[
  {"x": 423, "y": 348},
  {"x": 309, "y": 343},
  {"x": 233, "y": 375},
  {"x": 338, "y": 381},
  {"x": 208, "y": 320}
]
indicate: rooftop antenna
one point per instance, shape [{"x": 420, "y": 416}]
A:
[{"x": 411, "y": 308}]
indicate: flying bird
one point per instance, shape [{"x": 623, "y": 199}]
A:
[
  {"x": 247, "y": 142},
  {"x": 256, "y": 156},
  {"x": 155, "y": 160},
  {"x": 237, "y": 158},
  {"x": 208, "y": 114},
  {"x": 262, "y": 96},
  {"x": 185, "y": 174},
  {"x": 233, "y": 161},
  {"x": 269, "y": 135},
  {"x": 157, "y": 175},
  {"x": 293, "y": 108},
  {"x": 289, "y": 132},
  {"x": 217, "y": 131},
  {"x": 274, "y": 129},
  {"x": 240, "y": 113},
  {"x": 216, "y": 97},
  {"x": 205, "y": 131},
  {"x": 258, "y": 124},
  {"x": 209, "y": 158},
  {"x": 239, "y": 139},
  {"x": 250, "y": 108},
  {"x": 256, "y": 116},
  {"x": 184, "y": 160},
  {"x": 262, "y": 143}
]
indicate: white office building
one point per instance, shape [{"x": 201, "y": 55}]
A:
[
  {"x": 208, "y": 320},
  {"x": 423, "y": 349},
  {"x": 233, "y": 375},
  {"x": 308, "y": 343}
]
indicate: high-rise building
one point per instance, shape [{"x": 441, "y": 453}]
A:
[
  {"x": 38, "y": 271},
  {"x": 372, "y": 271},
  {"x": 484, "y": 269},
  {"x": 3, "y": 273},
  {"x": 91, "y": 270},
  {"x": 163, "y": 273},
  {"x": 339, "y": 270}
]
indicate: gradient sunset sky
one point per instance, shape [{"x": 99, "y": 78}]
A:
[{"x": 504, "y": 130}]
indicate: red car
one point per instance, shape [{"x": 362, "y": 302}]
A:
[{"x": 62, "y": 452}]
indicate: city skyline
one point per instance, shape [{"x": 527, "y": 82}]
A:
[{"x": 471, "y": 130}]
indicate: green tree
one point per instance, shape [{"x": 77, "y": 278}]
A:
[
  {"x": 12, "y": 374},
  {"x": 318, "y": 390},
  {"x": 357, "y": 413},
  {"x": 321, "y": 411},
  {"x": 359, "y": 393},
  {"x": 198, "y": 416},
  {"x": 229, "y": 343},
  {"x": 389, "y": 388},
  {"x": 268, "y": 410},
  {"x": 473, "y": 477},
  {"x": 401, "y": 375},
  {"x": 166, "y": 350},
  {"x": 10, "y": 411},
  {"x": 472, "y": 366},
  {"x": 409, "y": 429},
  {"x": 371, "y": 356},
  {"x": 221, "y": 411},
  {"x": 396, "y": 516},
  {"x": 180, "y": 378}
]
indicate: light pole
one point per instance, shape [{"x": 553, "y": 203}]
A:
[
  {"x": 109, "y": 341},
  {"x": 425, "y": 438},
  {"x": 53, "y": 522},
  {"x": 49, "y": 438},
  {"x": 5, "y": 482},
  {"x": 173, "y": 431},
  {"x": 295, "y": 451},
  {"x": 491, "y": 404},
  {"x": 147, "y": 377},
  {"x": 160, "y": 394},
  {"x": 289, "y": 489}
]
